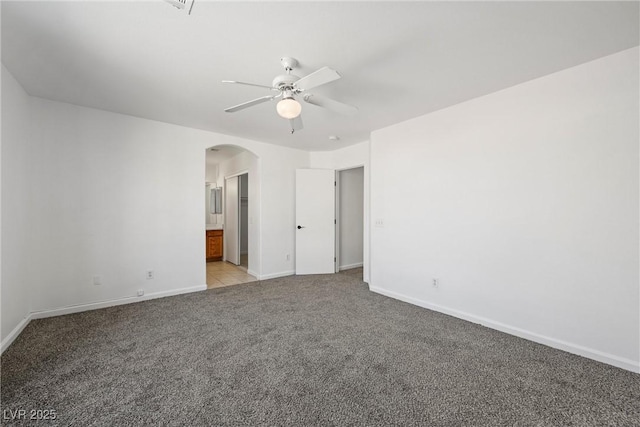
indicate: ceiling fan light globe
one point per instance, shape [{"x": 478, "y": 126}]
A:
[{"x": 289, "y": 108}]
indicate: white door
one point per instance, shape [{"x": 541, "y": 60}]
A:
[
  {"x": 231, "y": 221},
  {"x": 315, "y": 221}
]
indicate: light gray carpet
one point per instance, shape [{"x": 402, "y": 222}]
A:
[{"x": 301, "y": 351}]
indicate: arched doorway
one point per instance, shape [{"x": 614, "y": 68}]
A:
[{"x": 231, "y": 216}]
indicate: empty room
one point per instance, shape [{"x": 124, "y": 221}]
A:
[{"x": 320, "y": 213}]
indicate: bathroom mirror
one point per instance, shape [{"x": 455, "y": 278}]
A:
[{"x": 216, "y": 200}]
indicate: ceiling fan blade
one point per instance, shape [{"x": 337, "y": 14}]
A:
[
  {"x": 330, "y": 104},
  {"x": 249, "y": 104},
  {"x": 317, "y": 78},
  {"x": 296, "y": 124},
  {"x": 247, "y": 84}
]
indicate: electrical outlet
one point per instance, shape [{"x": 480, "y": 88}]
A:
[
  {"x": 288, "y": 256},
  {"x": 140, "y": 292},
  {"x": 379, "y": 222},
  {"x": 149, "y": 274},
  {"x": 97, "y": 280},
  {"x": 435, "y": 283}
]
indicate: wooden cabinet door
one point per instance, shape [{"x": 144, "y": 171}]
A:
[{"x": 214, "y": 245}]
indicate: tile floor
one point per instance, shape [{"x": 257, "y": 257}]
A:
[{"x": 221, "y": 273}]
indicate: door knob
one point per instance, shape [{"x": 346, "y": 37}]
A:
[{"x": 300, "y": 226}]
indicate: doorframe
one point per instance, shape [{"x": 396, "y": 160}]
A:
[
  {"x": 337, "y": 213},
  {"x": 224, "y": 211},
  {"x": 317, "y": 219},
  {"x": 240, "y": 221}
]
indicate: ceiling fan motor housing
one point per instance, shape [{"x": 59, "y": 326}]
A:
[{"x": 285, "y": 81}]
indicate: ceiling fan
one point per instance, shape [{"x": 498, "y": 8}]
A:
[{"x": 289, "y": 86}]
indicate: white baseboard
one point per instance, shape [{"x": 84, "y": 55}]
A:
[
  {"x": 276, "y": 275},
  {"x": 41, "y": 314},
  {"x": 6, "y": 342},
  {"x": 589, "y": 353},
  {"x": 110, "y": 303},
  {"x": 350, "y": 266}
]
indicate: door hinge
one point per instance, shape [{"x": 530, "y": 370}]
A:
[
  {"x": 334, "y": 259},
  {"x": 335, "y": 183},
  {"x": 335, "y": 221}
]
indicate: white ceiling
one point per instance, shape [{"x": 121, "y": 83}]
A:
[{"x": 398, "y": 60}]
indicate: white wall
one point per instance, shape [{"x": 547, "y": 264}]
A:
[
  {"x": 17, "y": 218},
  {"x": 123, "y": 195},
  {"x": 95, "y": 193},
  {"x": 524, "y": 204},
  {"x": 211, "y": 174},
  {"x": 351, "y": 217},
  {"x": 350, "y": 157}
]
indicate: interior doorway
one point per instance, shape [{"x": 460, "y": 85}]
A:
[
  {"x": 237, "y": 220},
  {"x": 350, "y": 219},
  {"x": 229, "y": 171},
  {"x": 244, "y": 220},
  {"x": 330, "y": 221},
  {"x": 315, "y": 221}
]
